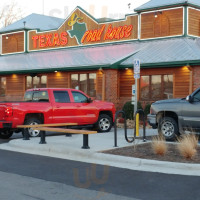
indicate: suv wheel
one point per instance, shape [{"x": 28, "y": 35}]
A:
[
  {"x": 168, "y": 128},
  {"x": 104, "y": 123}
]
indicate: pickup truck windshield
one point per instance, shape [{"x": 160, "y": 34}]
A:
[{"x": 36, "y": 96}]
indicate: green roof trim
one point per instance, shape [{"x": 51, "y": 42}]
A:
[{"x": 38, "y": 71}]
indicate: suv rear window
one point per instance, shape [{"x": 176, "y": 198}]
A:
[{"x": 36, "y": 96}]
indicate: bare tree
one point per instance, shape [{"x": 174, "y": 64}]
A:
[{"x": 10, "y": 13}]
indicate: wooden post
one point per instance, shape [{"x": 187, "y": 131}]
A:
[
  {"x": 191, "y": 82},
  {"x": 103, "y": 86},
  {"x": 191, "y": 79}
]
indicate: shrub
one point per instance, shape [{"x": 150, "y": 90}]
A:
[
  {"x": 147, "y": 109},
  {"x": 128, "y": 108},
  {"x": 187, "y": 146},
  {"x": 159, "y": 145}
]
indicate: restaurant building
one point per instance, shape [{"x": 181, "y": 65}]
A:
[{"x": 96, "y": 55}]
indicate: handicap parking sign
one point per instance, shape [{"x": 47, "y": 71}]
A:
[{"x": 136, "y": 66}]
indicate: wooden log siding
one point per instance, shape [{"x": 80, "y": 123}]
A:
[
  {"x": 193, "y": 22},
  {"x": 167, "y": 23},
  {"x": 99, "y": 85},
  {"x": 58, "y": 80},
  {"x": 15, "y": 87},
  {"x": 126, "y": 82},
  {"x": 181, "y": 80},
  {"x": 13, "y": 43}
]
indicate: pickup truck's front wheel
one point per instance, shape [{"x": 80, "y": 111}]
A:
[
  {"x": 32, "y": 132},
  {"x": 104, "y": 123},
  {"x": 168, "y": 128}
]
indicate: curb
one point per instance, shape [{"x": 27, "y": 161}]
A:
[{"x": 90, "y": 156}]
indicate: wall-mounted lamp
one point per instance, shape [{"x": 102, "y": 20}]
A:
[
  {"x": 55, "y": 71},
  {"x": 7, "y": 37},
  {"x": 126, "y": 68},
  {"x": 189, "y": 67},
  {"x": 156, "y": 14}
]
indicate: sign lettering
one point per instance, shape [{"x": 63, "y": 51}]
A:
[{"x": 50, "y": 40}]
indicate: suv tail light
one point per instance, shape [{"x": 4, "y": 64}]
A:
[{"x": 8, "y": 111}]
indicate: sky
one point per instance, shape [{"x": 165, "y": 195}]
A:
[{"x": 115, "y": 9}]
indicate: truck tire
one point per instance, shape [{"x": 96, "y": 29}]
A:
[
  {"x": 168, "y": 128},
  {"x": 104, "y": 123},
  {"x": 31, "y": 132},
  {"x": 6, "y": 134}
]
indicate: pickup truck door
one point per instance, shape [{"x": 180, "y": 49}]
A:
[
  {"x": 86, "y": 112},
  {"x": 63, "y": 110},
  {"x": 191, "y": 113}
]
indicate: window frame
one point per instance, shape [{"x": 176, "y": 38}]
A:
[
  {"x": 1, "y": 94},
  {"x": 150, "y": 87},
  {"x": 40, "y": 81},
  {"x": 88, "y": 82}
]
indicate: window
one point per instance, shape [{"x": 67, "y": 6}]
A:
[
  {"x": 144, "y": 87},
  {"x": 85, "y": 82},
  {"x": 156, "y": 87},
  {"x": 79, "y": 97},
  {"x": 3, "y": 87},
  {"x": 36, "y": 82},
  {"x": 36, "y": 96},
  {"x": 156, "y": 90},
  {"x": 61, "y": 96},
  {"x": 196, "y": 97}
]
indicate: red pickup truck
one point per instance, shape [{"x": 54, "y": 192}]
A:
[{"x": 55, "y": 105}]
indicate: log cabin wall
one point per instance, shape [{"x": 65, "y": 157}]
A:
[
  {"x": 15, "y": 87},
  {"x": 162, "y": 23},
  {"x": 13, "y": 43},
  {"x": 58, "y": 80},
  {"x": 16, "y": 84},
  {"x": 181, "y": 82},
  {"x": 193, "y": 22}
]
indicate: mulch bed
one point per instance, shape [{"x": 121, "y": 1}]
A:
[{"x": 145, "y": 151}]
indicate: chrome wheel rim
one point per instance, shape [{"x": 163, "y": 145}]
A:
[
  {"x": 32, "y": 132},
  {"x": 104, "y": 124},
  {"x": 167, "y": 129}
]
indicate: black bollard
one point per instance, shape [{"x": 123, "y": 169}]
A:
[
  {"x": 85, "y": 142},
  {"x": 42, "y": 137}
]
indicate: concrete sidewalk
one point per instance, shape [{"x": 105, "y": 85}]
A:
[{"x": 70, "y": 148}]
